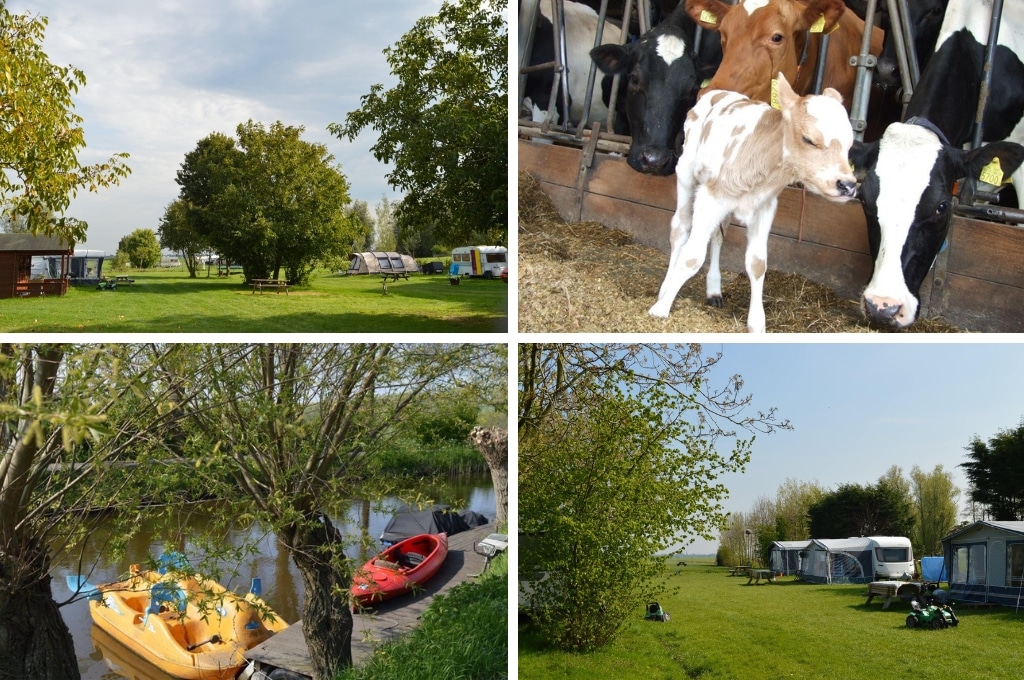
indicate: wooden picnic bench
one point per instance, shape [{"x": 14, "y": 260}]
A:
[
  {"x": 124, "y": 279},
  {"x": 757, "y": 574},
  {"x": 260, "y": 284},
  {"x": 394, "y": 276},
  {"x": 905, "y": 590},
  {"x": 740, "y": 570}
]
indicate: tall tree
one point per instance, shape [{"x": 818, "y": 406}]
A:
[
  {"x": 792, "y": 501},
  {"x": 178, "y": 233},
  {"x": 618, "y": 460},
  {"x": 41, "y": 135},
  {"x": 359, "y": 213},
  {"x": 444, "y": 126},
  {"x": 935, "y": 508},
  {"x": 141, "y": 248},
  {"x": 384, "y": 236},
  {"x": 995, "y": 470},
  {"x": 855, "y": 510},
  {"x": 285, "y": 431}
]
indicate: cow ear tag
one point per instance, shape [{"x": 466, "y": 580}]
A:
[
  {"x": 775, "y": 94},
  {"x": 992, "y": 173},
  {"x": 708, "y": 17},
  {"x": 819, "y": 26}
]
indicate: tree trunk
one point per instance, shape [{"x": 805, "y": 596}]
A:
[
  {"x": 326, "y": 613},
  {"x": 34, "y": 640},
  {"x": 492, "y": 442}
]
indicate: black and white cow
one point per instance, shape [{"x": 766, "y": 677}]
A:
[
  {"x": 925, "y": 18},
  {"x": 580, "y": 30},
  {"x": 663, "y": 79},
  {"x": 910, "y": 172}
]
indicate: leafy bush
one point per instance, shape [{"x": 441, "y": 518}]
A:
[{"x": 725, "y": 557}]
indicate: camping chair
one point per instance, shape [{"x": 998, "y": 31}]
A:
[
  {"x": 655, "y": 613},
  {"x": 453, "y": 274}
]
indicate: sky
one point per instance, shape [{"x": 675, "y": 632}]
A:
[
  {"x": 163, "y": 74},
  {"x": 858, "y": 409}
]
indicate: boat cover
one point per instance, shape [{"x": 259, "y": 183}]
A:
[{"x": 410, "y": 521}]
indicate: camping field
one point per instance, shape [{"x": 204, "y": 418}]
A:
[
  {"x": 720, "y": 627},
  {"x": 163, "y": 301}
]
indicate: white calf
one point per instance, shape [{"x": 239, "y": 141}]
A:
[{"x": 738, "y": 156}]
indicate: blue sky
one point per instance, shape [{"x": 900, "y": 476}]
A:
[
  {"x": 857, "y": 409},
  {"x": 162, "y": 74}
]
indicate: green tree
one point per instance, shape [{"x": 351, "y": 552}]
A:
[
  {"x": 269, "y": 201},
  {"x": 995, "y": 470},
  {"x": 41, "y": 135},
  {"x": 141, "y": 248},
  {"x": 384, "y": 236},
  {"x": 792, "y": 501},
  {"x": 359, "y": 213},
  {"x": 854, "y": 510},
  {"x": 444, "y": 126},
  {"x": 178, "y": 233},
  {"x": 935, "y": 508},
  {"x": 617, "y": 461}
]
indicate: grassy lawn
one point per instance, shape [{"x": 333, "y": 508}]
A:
[
  {"x": 722, "y": 628},
  {"x": 169, "y": 301}
]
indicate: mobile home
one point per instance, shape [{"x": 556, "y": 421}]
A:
[
  {"x": 985, "y": 562},
  {"x": 858, "y": 560},
  {"x": 485, "y": 261}
]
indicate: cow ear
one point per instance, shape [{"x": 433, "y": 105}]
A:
[
  {"x": 787, "y": 97},
  {"x": 1010, "y": 157},
  {"x": 611, "y": 59},
  {"x": 863, "y": 157},
  {"x": 826, "y": 11},
  {"x": 829, "y": 92},
  {"x": 707, "y": 13}
]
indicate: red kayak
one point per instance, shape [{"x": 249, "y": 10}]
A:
[{"x": 399, "y": 569}]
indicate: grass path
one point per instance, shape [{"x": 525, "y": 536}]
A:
[
  {"x": 168, "y": 301},
  {"x": 722, "y": 628}
]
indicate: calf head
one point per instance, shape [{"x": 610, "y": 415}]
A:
[
  {"x": 908, "y": 199},
  {"x": 817, "y": 138},
  {"x": 761, "y": 38},
  {"x": 662, "y": 87}
]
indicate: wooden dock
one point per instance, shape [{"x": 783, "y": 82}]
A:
[{"x": 386, "y": 621}]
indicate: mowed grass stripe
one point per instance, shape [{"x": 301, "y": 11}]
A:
[
  {"x": 169, "y": 301},
  {"x": 722, "y": 628}
]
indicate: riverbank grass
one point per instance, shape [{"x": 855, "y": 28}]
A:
[
  {"x": 463, "y": 635},
  {"x": 168, "y": 301},
  {"x": 722, "y": 628}
]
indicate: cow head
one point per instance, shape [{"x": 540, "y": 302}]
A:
[
  {"x": 761, "y": 38},
  {"x": 662, "y": 87},
  {"x": 925, "y": 20},
  {"x": 908, "y": 200},
  {"x": 817, "y": 137}
]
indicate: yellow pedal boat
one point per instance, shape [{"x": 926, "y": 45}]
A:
[{"x": 188, "y": 626}]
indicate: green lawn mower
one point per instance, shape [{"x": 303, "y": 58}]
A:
[{"x": 933, "y": 616}]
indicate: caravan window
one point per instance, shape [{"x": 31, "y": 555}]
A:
[
  {"x": 968, "y": 564},
  {"x": 494, "y": 258},
  {"x": 892, "y": 554},
  {"x": 1015, "y": 565}
]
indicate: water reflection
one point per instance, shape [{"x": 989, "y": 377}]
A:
[{"x": 282, "y": 585}]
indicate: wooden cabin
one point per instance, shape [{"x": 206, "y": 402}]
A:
[{"x": 18, "y": 277}]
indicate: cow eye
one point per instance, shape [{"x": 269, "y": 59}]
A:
[
  {"x": 777, "y": 38},
  {"x": 808, "y": 141},
  {"x": 941, "y": 208}
]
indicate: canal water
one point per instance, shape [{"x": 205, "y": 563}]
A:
[{"x": 282, "y": 585}]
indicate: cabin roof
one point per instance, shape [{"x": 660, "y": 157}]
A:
[{"x": 29, "y": 243}]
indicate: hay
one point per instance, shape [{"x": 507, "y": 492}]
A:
[{"x": 585, "y": 278}]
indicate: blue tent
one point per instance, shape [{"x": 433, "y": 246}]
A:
[{"x": 933, "y": 569}]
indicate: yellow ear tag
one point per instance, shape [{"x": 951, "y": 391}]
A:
[
  {"x": 992, "y": 173},
  {"x": 708, "y": 17},
  {"x": 819, "y": 25},
  {"x": 704, "y": 85},
  {"x": 775, "y": 94}
]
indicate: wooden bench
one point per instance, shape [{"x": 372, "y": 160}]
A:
[
  {"x": 740, "y": 570},
  {"x": 277, "y": 284},
  {"x": 905, "y": 590},
  {"x": 394, "y": 276},
  {"x": 124, "y": 279},
  {"x": 757, "y": 574}
]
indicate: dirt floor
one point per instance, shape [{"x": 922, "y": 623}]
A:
[{"x": 585, "y": 278}]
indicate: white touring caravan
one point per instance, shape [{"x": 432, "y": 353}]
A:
[
  {"x": 485, "y": 261},
  {"x": 857, "y": 560}
]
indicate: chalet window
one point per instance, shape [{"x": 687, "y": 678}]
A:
[
  {"x": 1015, "y": 565},
  {"x": 968, "y": 564}
]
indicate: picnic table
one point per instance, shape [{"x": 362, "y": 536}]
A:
[
  {"x": 905, "y": 590},
  {"x": 124, "y": 279},
  {"x": 394, "y": 276},
  {"x": 740, "y": 570},
  {"x": 260, "y": 284},
  {"x": 757, "y": 574}
]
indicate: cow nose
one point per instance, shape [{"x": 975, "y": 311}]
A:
[
  {"x": 846, "y": 187},
  {"x": 886, "y": 72},
  {"x": 882, "y": 309},
  {"x": 658, "y": 161}
]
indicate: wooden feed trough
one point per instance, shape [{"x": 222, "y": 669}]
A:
[{"x": 976, "y": 283}]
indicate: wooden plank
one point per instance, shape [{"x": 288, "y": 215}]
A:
[
  {"x": 550, "y": 163},
  {"x": 983, "y": 250},
  {"x": 982, "y": 306},
  {"x": 387, "y": 620}
]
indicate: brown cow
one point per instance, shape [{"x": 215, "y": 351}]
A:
[{"x": 761, "y": 38}]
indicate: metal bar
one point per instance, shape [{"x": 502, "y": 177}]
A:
[
  {"x": 986, "y": 81},
  {"x": 562, "y": 55},
  {"x": 899, "y": 28},
  {"x": 865, "y": 64},
  {"x": 527, "y": 31},
  {"x": 908, "y": 39},
  {"x": 819, "y": 69},
  {"x": 991, "y": 213},
  {"x": 613, "y": 98},
  {"x": 588, "y": 100}
]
